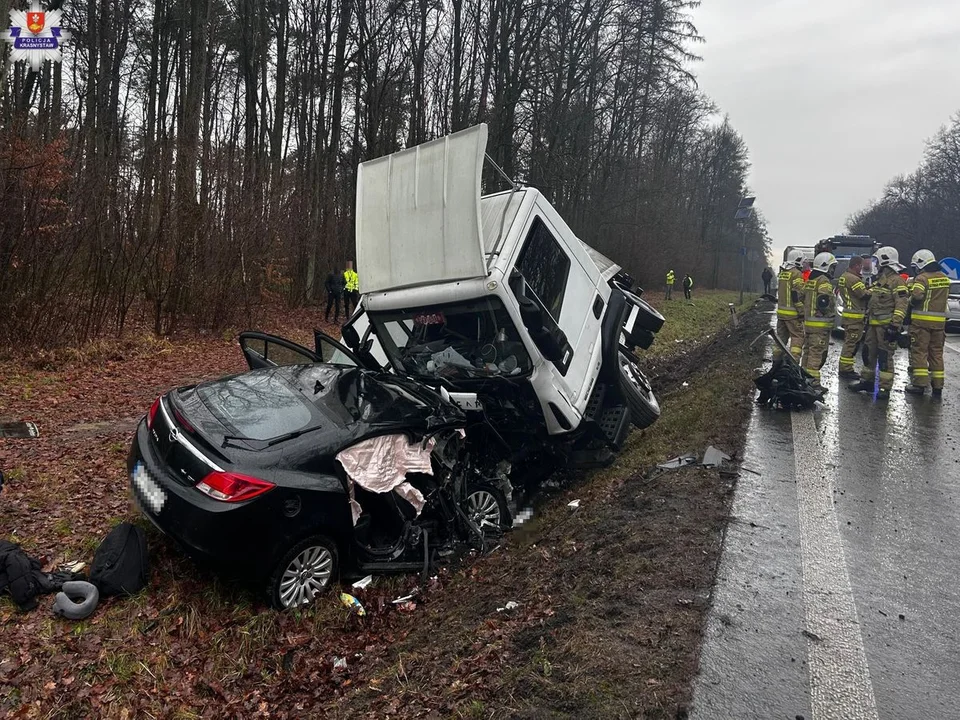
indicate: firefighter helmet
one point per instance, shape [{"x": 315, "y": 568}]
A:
[
  {"x": 888, "y": 257},
  {"x": 922, "y": 258},
  {"x": 825, "y": 262},
  {"x": 795, "y": 258}
]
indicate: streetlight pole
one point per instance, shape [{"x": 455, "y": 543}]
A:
[{"x": 743, "y": 213}]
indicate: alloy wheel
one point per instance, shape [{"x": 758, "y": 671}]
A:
[
  {"x": 483, "y": 509},
  {"x": 307, "y": 575}
]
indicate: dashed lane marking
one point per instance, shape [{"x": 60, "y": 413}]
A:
[{"x": 840, "y": 686}]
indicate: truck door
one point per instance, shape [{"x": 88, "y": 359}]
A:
[{"x": 565, "y": 290}]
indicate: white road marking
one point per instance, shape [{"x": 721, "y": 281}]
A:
[{"x": 840, "y": 686}]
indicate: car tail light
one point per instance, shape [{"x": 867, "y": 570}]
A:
[
  {"x": 183, "y": 421},
  {"x": 153, "y": 412},
  {"x": 232, "y": 487}
]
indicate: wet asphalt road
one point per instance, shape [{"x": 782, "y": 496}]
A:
[{"x": 838, "y": 594}]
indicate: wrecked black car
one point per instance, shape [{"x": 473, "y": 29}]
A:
[{"x": 288, "y": 475}]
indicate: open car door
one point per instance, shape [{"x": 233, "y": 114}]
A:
[
  {"x": 263, "y": 351},
  {"x": 336, "y": 353}
]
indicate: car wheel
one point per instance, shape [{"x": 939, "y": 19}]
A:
[
  {"x": 487, "y": 507},
  {"x": 305, "y": 571},
  {"x": 644, "y": 408}
]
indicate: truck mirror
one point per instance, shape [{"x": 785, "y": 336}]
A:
[
  {"x": 531, "y": 315},
  {"x": 351, "y": 338}
]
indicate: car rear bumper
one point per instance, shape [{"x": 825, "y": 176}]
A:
[{"x": 231, "y": 538}]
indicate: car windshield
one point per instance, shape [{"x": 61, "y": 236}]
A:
[
  {"x": 468, "y": 340},
  {"x": 955, "y": 289}
]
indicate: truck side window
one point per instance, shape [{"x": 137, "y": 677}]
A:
[{"x": 545, "y": 267}]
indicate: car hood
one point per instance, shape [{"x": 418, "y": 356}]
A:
[{"x": 308, "y": 410}]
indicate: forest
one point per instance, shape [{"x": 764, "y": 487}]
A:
[
  {"x": 192, "y": 160},
  {"x": 921, "y": 209}
]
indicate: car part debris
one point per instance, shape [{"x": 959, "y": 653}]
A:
[
  {"x": 339, "y": 663},
  {"x": 77, "y": 600},
  {"x": 678, "y": 462},
  {"x": 363, "y": 584},
  {"x": 574, "y": 505},
  {"x": 786, "y": 385},
  {"x": 399, "y": 600},
  {"x": 510, "y": 605},
  {"x": 19, "y": 430},
  {"x": 351, "y": 602},
  {"x": 712, "y": 457}
]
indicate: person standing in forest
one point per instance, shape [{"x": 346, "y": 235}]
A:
[
  {"x": 334, "y": 287},
  {"x": 670, "y": 278},
  {"x": 688, "y": 286},
  {"x": 351, "y": 284},
  {"x": 767, "y": 276}
]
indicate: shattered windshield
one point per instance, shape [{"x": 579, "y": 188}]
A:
[{"x": 475, "y": 339}]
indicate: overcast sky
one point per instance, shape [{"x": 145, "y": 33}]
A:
[{"x": 833, "y": 98}]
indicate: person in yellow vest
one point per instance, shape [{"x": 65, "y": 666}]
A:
[
  {"x": 853, "y": 290},
  {"x": 790, "y": 287},
  {"x": 889, "y": 298},
  {"x": 670, "y": 278},
  {"x": 820, "y": 315},
  {"x": 928, "y": 296},
  {"x": 351, "y": 288}
]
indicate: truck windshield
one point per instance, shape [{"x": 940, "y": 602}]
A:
[{"x": 468, "y": 340}]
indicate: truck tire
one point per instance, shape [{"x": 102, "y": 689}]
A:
[{"x": 644, "y": 408}]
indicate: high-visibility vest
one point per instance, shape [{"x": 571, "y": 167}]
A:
[
  {"x": 351, "y": 280},
  {"x": 790, "y": 293},
  {"x": 670, "y": 278}
]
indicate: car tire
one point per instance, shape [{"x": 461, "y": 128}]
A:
[
  {"x": 306, "y": 570},
  {"x": 644, "y": 408},
  {"x": 487, "y": 506}
]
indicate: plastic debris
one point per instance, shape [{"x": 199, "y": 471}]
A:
[
  {"x": 678, "y": 462},
  {"x": 339, "y": 663},
  {"x": 685, "y": 384},
  {"x": 351, "y": 602},
  {"x": 712, "y": 457},
  {"x": 363, "y": 584},
  {"x": 511, "y": 605},
  {"x": 405, "y": 598},
  {"x": 574, "y": 505}
]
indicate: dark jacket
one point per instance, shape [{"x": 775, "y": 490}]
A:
[{"x": 334, "y": 284}]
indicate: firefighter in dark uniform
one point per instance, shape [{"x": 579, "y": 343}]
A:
[
  {"x": 929, "y": 291},
  {"x": 889, "y": 299}
]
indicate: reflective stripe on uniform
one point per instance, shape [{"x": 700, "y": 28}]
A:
[
  {"x": 930, "y": 316},
  {"x": 853, "y": 316},
  {"x": 939, "y": 282},
  {"x": 787, "y": 312},
  {"x": 819, "y": 323},
  {"x": 921, "y": 372}
]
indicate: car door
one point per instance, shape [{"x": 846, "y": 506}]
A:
[
  {"x": 333, "y": 352},
  {"x": 262, "y": 351}
]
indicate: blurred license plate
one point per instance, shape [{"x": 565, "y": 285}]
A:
[{"x": 152, "y": 494}]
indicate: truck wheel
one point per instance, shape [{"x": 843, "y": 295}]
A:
[
  {"x": 644, "y": 408},
  {"x": 306, "y": 570}
]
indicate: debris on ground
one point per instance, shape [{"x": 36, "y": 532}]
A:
[
  {"x": 522, "y": 516},
  {"x": 510, "y": 605},
  {"x": 339, "y": 663},
  {"x": 363, "y": 584},
  {"x": 351, "y": 602},
  {"x": 786, "y": 385},
  {"x": 19, "y": 430},
  {"x": 678, "y": 462},
  {"x": 713, "y": 457},
  {"x": 401, "y": 600},
  {"x": 574, "y": 504}
]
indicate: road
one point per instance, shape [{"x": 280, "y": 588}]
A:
[{"x": 838, "y": 594}]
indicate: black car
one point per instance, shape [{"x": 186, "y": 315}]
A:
[{"x": 242, "y": 471}]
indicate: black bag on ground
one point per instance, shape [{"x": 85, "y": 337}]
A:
[
  {"x": 120, "y": 565},
  {"x": 788, "y": 387}
]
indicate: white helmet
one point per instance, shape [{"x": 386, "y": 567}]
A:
[
  {"x": 795, "y": 258},
  {"x": 922, "y": 258},
  {"x": 825, "y": 262},
  {"x": 888, "y": 257}
]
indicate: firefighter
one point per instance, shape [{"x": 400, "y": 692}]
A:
[
  {"x": 853, "y": 290},
  {"x": 928, "y": 296},
  {"x": 790, "y": 286},
  {"x": 820, "y": 313},
  {"x": 889, "y": 298},
  {"x": 670, "y": 278}
]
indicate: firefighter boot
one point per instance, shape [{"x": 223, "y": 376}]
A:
[
  {"x": 862, "y": 386},
  {"x": 915, "y": 389}
]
